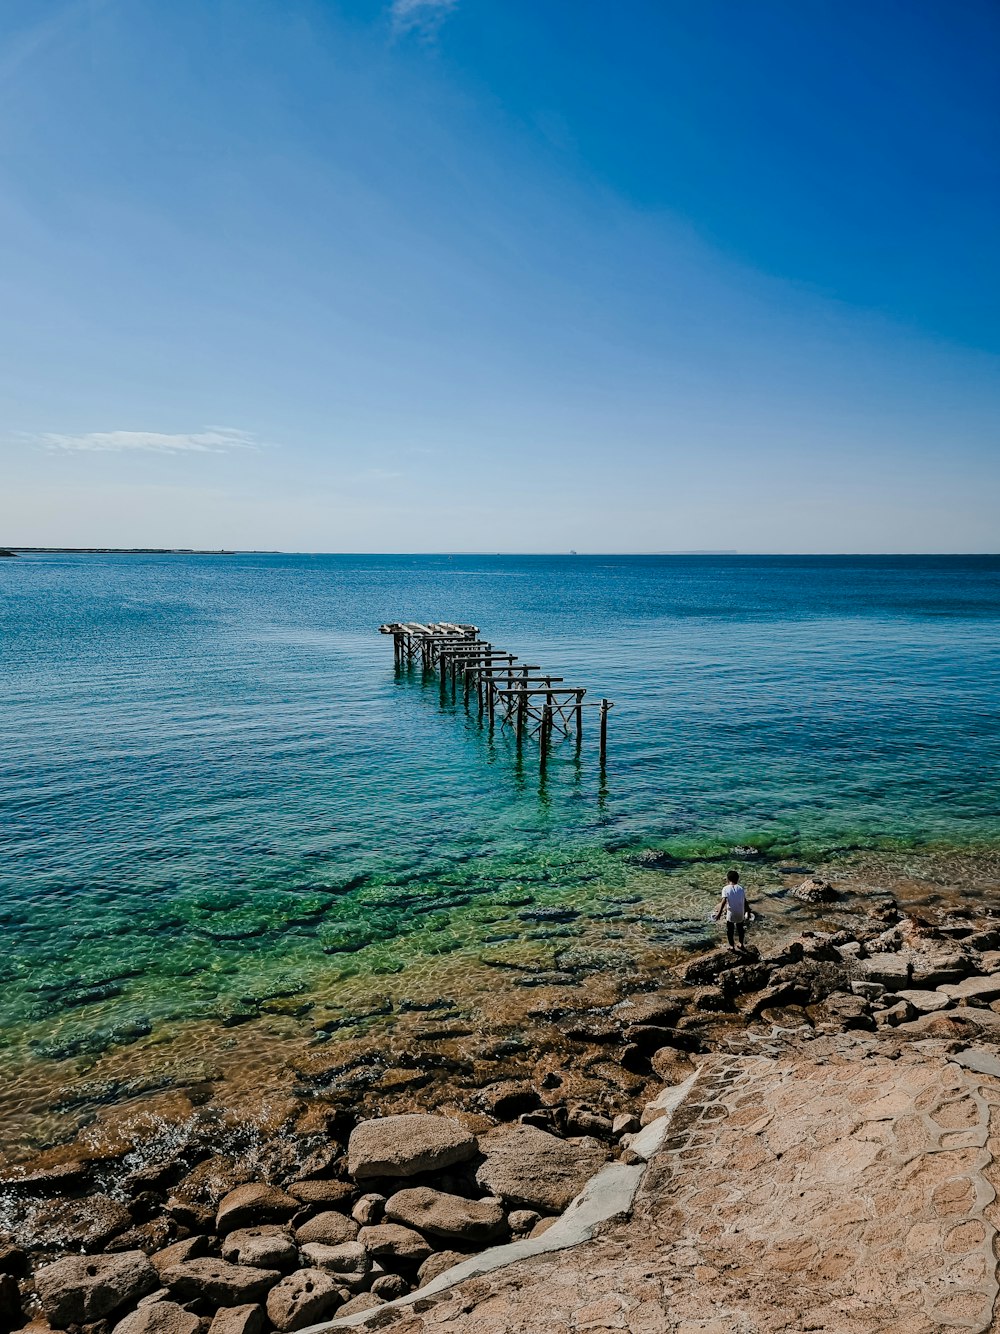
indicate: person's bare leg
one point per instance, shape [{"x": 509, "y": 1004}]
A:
[
  {"x": 729, "y": 934},
  {"x": 740, "y": 929}
]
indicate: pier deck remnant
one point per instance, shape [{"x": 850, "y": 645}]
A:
[{"x": 507, "y": 690}]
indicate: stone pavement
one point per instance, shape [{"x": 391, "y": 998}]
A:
[{"x": 832, "y": 1188}]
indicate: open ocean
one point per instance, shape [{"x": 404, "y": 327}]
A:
[{"x": 213, "y": 783}]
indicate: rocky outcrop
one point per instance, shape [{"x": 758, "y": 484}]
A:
[
  {"x": 252, "y": 1204},
  {"x": 403, "y": 1146},
  {"x": 81, "y": 1289},
  {"x": 219, "y": 1282},
  {"x": 304, "y": 1298},
  {"x": 531, "y": 1169},
  {"x": 450, "y": 1216},
  {"x": 267, "y": 1247},
  {"x": 159, "y": 1318},
  {"x": 815, "y": 890}
]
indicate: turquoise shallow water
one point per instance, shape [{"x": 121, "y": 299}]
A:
[{"x": 213, "y": 785}]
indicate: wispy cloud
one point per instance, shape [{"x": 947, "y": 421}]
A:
[
  {"x": 419, "y": 15},
  {"x": 209, "y": 440}
]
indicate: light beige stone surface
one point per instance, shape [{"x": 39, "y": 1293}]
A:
[{"x": 850, "y": 1194}]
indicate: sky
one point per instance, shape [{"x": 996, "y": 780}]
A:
[{"x": 467, "y": 275}]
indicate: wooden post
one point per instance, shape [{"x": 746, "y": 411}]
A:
[
  {"x": 579, "y": 718},
  {"x": 522, "y": 709},
  {"x": 604, "y": 731},
  {"x": 545, "y": 729}
]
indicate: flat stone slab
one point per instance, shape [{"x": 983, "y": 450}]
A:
[
  {"x": 851, "y": 1194},
  {"x": 973, "y": 988},
  {"x": 925, "y": 1002}
]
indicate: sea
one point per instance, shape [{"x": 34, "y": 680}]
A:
[{"x": 216, "y": 789}]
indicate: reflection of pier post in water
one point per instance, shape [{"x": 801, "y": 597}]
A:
[{"x": 532, "y": 706}]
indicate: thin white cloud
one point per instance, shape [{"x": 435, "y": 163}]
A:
[
  {"x": 419, "y": 15},
  {"x": 209, "y": 440}
]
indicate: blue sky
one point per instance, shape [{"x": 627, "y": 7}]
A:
[{"x": 500, "y": 275}]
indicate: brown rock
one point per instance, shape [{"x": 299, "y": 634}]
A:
[
  {"x": 252, "y": 1204},
  {"x": 329, "y": 1229},
  {"x": 199, "y": 1193},
  {"x": 534, "y": 1170},
  {"x": 10, "y": 1302},
  {"x": 81, "y": 1289},
  {"x": 661, "y": 1010},
  {"x": 582, "y": 1122},
  {"x": 521, "y": 1221},
  {"x": 395, "y": 1243},
  {"x": 220, "y": 1282},
  {"x": 191, "y": 1248},
  {"x": 815, "y": 890},
  {"x": 507, "y": 1099},
  {"x": 265, "y": 1247},
  {"x": 364, "y": 1301},
  {"x": 402, "y": 1146},
  {"x": 671, "y": 1065},
  {"x": 159, "y": 1318},
  {"x": 436, "y": 1264},
  {"x": 369, "y": 1209},
  {"x": 390, "y": 1287},
  {"x": 441, "y": 1215},
  {"x": 87, "y": 1224},
  {"x": 247, "y": 1319},
  {"x": 12, "y": 1259},
  {"x": 303, "y": 1298},
  {"x": 331, "y": 1194},
  {"x": 972, "y": 989},
  {"x": 350, "y": 1262}
]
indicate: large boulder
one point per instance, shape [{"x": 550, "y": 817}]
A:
[
  {"x": 437, "y": 1264},
  {"x": 330, "y": 1194},
  {"x": 531, "y": 1169},
  {"x": 441, "y": 1215},
  {"x": 328, "y": 1228},
  {"x": 395, "y": 1243},
  {"x": 402, "y": 1146},
  {"x": 238, "y": 1320},
  {"x": 82, "y": 1289},
  {"x": 815, "y": 890},
  {"x": 304, "y": 1298},
  {"x": 159, "y": 1318},
  {"x": 973, "y": 989},
  {"x": 266, "y": 1247},
  {"x": 253, "y": 1204},
  {"x": 219, "y": 1282},
  {"x": 350, "y": 1262}
]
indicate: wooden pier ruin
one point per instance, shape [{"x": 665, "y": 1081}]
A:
[{"x": 515, "y": 694}]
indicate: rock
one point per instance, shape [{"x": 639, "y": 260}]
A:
[
  {"x": 350, "y": 1262},
  {"x": 924, "y": 1002},
  {"x": 402, "y": 1146},
  {"x": 159, "y": 1318},
  {"x": 582, "y": 1122},
  {"x": 328, "y": 1228},
  {"x": 938, "y": 968},
  {"x": 870, "y": 990},
  {"x": 534, "y": 1170},
  {"x": 441, "y": 1215},
  {"x": 332, "y": 1194},
  {"x": 777, "y": 995},
  {"x": 671, "y": 1065},
  {"x": 13, "y": 1260},
  {"x": 196, "y": 1196},
  {"x": 521, "y": 1221},
  {"x": 266, "y": 1247},
  {"x": 369, "y": 1209},
  {"x": 365, "y": 1301},
  {"x": 395, "y": 1243},
  {"x": 984, "y": 941},
  {"x": 634, "y": 1059},
  {"x": 892, "y": 1015},
  {"x": 651, "y": 859},
  {"x": 661, "y": 1009},
  {"x": 973, "y": 988},
  {"x": 253, "y": 1204},
  {"x": 219, "y": 1282},
  {"x": 87, "y": 1224},
  {"x": 437, "y": 1264},
  {"x": 389, "y": 1287},
  {"x": 191, "y": 1248},
  {"x": 303, "y": 1298},
  {"x": 649, "y": 1037},
  {"x": 10, "y": 1302},
  {"x": 247, "y": 1319},
  {"x": 849, "y": 1011},
  {"x": 892, "y": 970},
  {"x": 508, "y": 1099},
  {"x": 82, "y": 1289},
  {"x": 624, "y": 1124},
  {"x": 708, "y": 967},
  {"x": 815, "y": 890}
]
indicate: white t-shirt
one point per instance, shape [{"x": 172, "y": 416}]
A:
[{"x": 736, "y": 902}]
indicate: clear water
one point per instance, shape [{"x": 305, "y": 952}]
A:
[{"x": 213, "y": 785}]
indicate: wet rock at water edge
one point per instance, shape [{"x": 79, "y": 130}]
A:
[
  {"x": 452, "y": 1217},
  {"x": 333, "y": 1194},
  {"x": 815, "y": 890},
  {"x": 81, "y": 1289},
  {"x": 159, "y": 1318},
  {"x": 10, "y": 1302},
  {"x": 87, "y": 1224},
  {"x": 402, "y": 1146},
  {"x": 304, "y": 1298},
  {"x": 531, "y": 1169},
  {"x": 219, "y": 1282}
]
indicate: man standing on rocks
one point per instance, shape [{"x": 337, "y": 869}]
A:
[{"x": 734, "y": 903}]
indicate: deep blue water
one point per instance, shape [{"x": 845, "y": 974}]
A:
[{"x": 201, "y": 751}]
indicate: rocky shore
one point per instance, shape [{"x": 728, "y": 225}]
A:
[{"x": 347, "y": 1194}]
